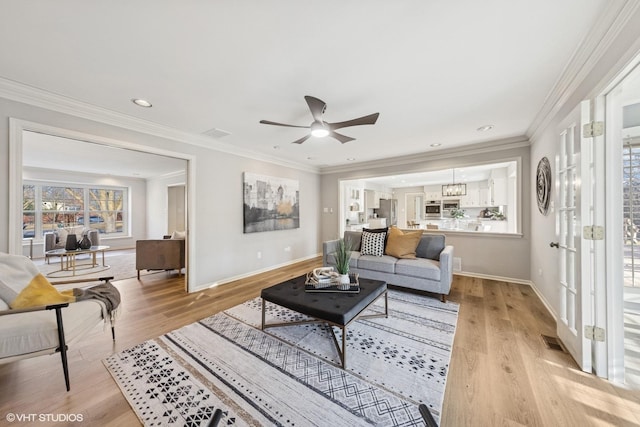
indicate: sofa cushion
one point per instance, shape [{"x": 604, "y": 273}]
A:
[
  {"x": 353, "y": 261},
  {"x": 354, "y": 239},
  {"x": 179, "y": 235},
  {"x": 61, "y": 237},
  {"x": 372, "y": 243},
  {"x": 419, "y": 267},
  {"x": 402, "y": 244},
  {"x": 7, "y": 294},
  {"x": 384, "y": 263},
  {"x": 430, "y": 246}
]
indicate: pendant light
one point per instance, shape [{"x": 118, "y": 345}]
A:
[{"x": 454, "y": 189}]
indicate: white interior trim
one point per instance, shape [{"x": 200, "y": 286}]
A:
[
  {"x": 39, "y": 98},
  {"x": 18, "y": 126}
]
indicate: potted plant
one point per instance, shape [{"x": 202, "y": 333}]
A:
[
  {"x": 457, "y": 213},
  {"x": 343, "y": 256}
]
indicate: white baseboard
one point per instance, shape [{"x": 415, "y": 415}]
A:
[
  {"x": 544, "y": 301},
  {"x": 253, "y": 273},
  {"x": 492, "y": 277},
  {"x": 457, "y": 273}
]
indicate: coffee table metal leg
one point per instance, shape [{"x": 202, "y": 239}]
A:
[
  {"x": 263, "y": 304},
  {"x": 344, "y": 348},
  {"x": 386, "y": 304}
]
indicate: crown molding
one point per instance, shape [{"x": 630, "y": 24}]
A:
[
  {"x": 421, "y": 158},
  {"x": 50, "y": 101},
  {"x": 591, "y": 50}
]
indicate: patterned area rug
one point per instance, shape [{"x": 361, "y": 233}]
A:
[{"x": 290, "y": 375}]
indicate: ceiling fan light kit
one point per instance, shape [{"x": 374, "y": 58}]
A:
[{"x": 319, "y": 128}]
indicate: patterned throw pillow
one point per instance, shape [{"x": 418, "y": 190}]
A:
[{"x": 372, "y": 243}]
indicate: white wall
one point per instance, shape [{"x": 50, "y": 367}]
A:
[
  {"x": 220, "y": 250},
  {"x": 544, "y": 263},
  {"x": 157, "y": 203}
]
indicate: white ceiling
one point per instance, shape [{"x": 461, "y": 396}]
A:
[
  {"x": 52, "y": 152},
  {"x": 444, "y": 176},
  {"x": 435, "y": 70}
]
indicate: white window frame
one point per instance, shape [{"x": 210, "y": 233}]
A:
[{"x": 39, "y": 228}]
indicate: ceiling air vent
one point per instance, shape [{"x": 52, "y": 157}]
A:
[{"x": 216, "y": 133}]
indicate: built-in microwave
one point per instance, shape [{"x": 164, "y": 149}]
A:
[
  {"x": 433, "y": 209},
  {"x": 449, "y": 205}
]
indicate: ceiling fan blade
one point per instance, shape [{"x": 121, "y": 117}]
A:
[
  {"x": 365, "y": 120},
  {"x": 267, "y": 122},
  {"x": 316, "y": 106},
  {"x": 340, "y": 137},
  {"x": 301, "y": 140}
]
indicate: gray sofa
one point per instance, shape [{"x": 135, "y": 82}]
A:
[{"x": 431, "y": 271}]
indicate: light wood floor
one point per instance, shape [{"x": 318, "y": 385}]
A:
[{"x": 501, "y": 373}]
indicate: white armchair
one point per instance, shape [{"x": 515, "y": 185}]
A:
[{"x": 42, "y": 329}]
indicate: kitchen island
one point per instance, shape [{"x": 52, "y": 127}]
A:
[{"x": 465, "y": 224}]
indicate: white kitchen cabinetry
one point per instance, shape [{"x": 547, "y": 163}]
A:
[
  {"x": 484, "y": 194},
  {"x": 371, "y": 199},
  {"x": 432, "y": 192},
  {"x": 498, "y": 187},
  {"x": 384, "y": 195},
  {"x": 472, "y": 198}
]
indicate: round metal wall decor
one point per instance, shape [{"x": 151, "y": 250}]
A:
[{"x": 543, "y": 185}]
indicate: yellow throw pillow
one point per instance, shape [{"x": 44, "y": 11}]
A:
[
  {"x": 39, "y": 292},
  {"x": 402, "y": 244}
]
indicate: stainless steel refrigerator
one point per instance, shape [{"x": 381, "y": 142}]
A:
[{"x": 388, "y": 209}]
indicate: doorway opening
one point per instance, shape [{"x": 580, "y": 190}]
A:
[{"x": 93, "y": 155}]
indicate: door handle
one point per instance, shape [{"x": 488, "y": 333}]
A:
[{"x": 554, "y": 244}]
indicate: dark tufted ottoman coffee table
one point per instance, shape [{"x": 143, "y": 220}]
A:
[{"x": 331, "y": 308}]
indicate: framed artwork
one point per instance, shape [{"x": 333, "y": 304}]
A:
[
  {"x": 270, "y": 203},
  {"x": 543, "y": 185}
]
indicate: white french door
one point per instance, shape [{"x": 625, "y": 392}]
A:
[{"x": 573, "y": 172}]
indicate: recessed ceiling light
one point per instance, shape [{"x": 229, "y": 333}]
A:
[
  {"x": 309, "y": 158},
  {"x": 435, "y": 144},
  {"x": 141, "y": 102},
  {"x": 350, "y": 159},
  {"x": 485, "y": 128},
  {"x": 276, "y": 147}
]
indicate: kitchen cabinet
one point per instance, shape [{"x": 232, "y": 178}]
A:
[
  {"x": 498, "y": 187},
  {"x": 432, "y": 192},
  {"x": 371, "y": 200},
  {"x": 484, "y": 197},
  {"x": 472, "y": 198}
]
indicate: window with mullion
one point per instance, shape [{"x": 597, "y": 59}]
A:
[{"x": 48, "y": 207}]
